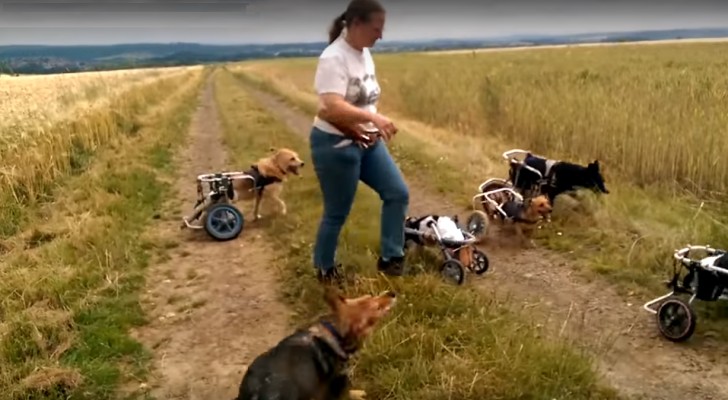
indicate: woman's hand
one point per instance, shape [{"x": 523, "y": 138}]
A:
[{"x": 385, "y": 126}]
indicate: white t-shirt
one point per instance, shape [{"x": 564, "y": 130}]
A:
[{"x": 349, "y": 72}]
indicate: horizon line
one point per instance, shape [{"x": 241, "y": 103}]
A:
[{"x": 413, "y": 40}]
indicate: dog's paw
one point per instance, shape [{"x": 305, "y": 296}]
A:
[{"x": 357, "y": 394}]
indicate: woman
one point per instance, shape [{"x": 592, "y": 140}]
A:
[{"x": 345, "y": 139}]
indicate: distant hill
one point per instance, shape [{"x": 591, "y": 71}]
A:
[{"x": 54, "y": 59}]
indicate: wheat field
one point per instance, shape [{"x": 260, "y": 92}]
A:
[{"x": 50, "y": 124}]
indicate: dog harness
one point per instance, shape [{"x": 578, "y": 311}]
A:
[
  {"x": 260, "y": 181},
  {"x": 547, "y": 178},
  {"x": 333, "y": 338}
]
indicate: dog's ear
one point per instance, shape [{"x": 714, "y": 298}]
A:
[
  {"x": 334, "y": 299},
  {"x": 594, "y": 165}
]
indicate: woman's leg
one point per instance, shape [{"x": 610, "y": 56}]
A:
[
  {"x": 337, "y": 170},
  {"x": 379, "y": 172}
]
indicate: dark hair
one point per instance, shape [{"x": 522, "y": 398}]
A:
[{"x": 357, "y": 10}]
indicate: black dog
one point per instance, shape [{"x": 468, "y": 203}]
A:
[
  {"x": 559, "y": 176},
  {"x": 311, "y": 363}
]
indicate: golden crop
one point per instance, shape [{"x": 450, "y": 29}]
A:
[
  {"x": 32, "y": 101},
  {"x": 50, "y": 123}
]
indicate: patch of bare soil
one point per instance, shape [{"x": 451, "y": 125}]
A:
[
  {"x": 213, "y": 305},
  {"x": 630, "y": 353}
]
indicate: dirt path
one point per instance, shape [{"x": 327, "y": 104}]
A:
[
  {"x": 631, "y": 355},
  {"x": 212, "y": 305}
]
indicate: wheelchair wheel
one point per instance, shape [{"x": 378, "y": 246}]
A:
[
  {"x": 676, "y": 319},
  {"x": 477, "y": 224},
  {"x": 224, "y": 222},
  {"x": 480, "y": 263},
  {"x": 453, "y": 270}
]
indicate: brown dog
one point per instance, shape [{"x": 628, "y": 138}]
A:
[
  {"x": 265, "y": 180},
  {"x": 269, "y": 173},
  {"x": 524, "y": 215},
  {"x": 312, "y": 363}
]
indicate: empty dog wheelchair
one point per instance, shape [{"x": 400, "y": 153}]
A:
[
  {"x": 457, "y": 244},
  {"x": 706, "y": 279},
  {"x": 222, "y": 220}
]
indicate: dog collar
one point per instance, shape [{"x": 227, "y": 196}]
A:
[{"x": 337, "y": 344}]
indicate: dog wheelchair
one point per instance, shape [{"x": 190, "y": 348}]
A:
[
  {"x": 525, "y": 179},
  {"x": 222, "y": 220},
  {"x": 494, "y": 194},
  {"x": 425, "y": 231},
  {"x": 500, "y": 200},
  {"x": 707, "y": 280}
]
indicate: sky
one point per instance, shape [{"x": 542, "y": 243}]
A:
[{"x": 274, "y": 21}]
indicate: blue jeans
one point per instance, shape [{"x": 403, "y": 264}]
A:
[{"x": 339, "y": 171}]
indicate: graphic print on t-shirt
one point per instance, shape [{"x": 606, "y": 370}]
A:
[{"x": 363, "y": 92}]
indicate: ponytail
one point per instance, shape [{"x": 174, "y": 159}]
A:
[
  {"x": 337, "y": 27},
  {"x": 357, "y": 10}
]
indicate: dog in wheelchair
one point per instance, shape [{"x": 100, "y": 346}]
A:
[
  {"x": 553, "y": 177},
  {"x": 457, "y": 244},
  {"x": 269, "y": 173},
  {"x": 264, "y": 180},
  {"x": 502, "y": 205}
]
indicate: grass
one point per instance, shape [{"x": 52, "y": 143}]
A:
[
  {"x": 69, "y": 286},
  {"x": 652, "y": 115},
  {"x": 49, "y": 145},
  {"x": 442, "y": 341}
]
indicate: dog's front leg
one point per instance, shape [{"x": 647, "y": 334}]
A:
[
  {"x": 338, "y": 387},
  {"x": 281, "y": 205},
  {"x": 525, "y": 242}
]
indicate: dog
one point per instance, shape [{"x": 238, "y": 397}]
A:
[
  {"x": 269, "y": 173},
  {"x": 448, "y": 229},
  {"x": 311, "y": 363},
  {"x": 267, "y": 176},
  {"x": 523, "y": 214},
  {"x": 560, "y": 176}
]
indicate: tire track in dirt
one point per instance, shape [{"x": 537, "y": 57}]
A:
[
  {"x": 213, "y": 305},
  {"x": 631, "y": 354}
]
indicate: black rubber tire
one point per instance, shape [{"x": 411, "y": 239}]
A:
[
  {"x": 677, "y": 310},
  {"x": 453, "y": 264},
  {"x": 480, "y": 267},
  {"x": 477, "y": 224},
  {"x": 212, "y": 222}
]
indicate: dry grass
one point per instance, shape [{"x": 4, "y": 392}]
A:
[
  {"x": 50, "y": 126},
  {"x": 653, "y": 115},
  {"x": 69, "y": 285}
]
